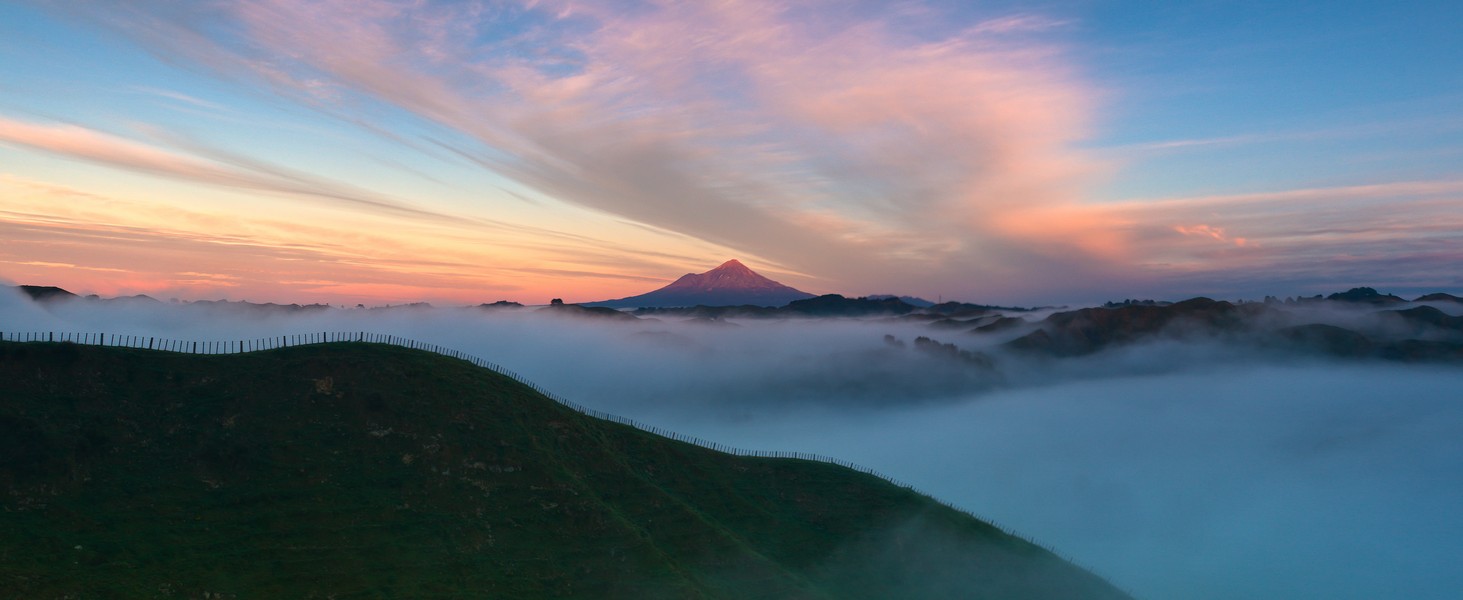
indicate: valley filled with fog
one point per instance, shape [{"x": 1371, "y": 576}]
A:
[{"x": 1178, "y": 467}]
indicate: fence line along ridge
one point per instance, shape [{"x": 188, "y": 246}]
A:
[{"x": 327, "y": 337}]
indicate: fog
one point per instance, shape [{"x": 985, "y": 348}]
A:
[{"x": 1176, "y": 469}]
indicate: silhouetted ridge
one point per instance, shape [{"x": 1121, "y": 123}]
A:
[
  {"x": 1420, "y": 333},
  {"x": 43, "y": 293},
  {"x": 1366, "y": 295},
  {"x": 1439, "y": 297},
  {"x": 594, "y": 312},
  {"x": 1429, "y": 316},
  {"x": 835, "y": 305},
  {"x": 1088, "y": 330},
  {"x": 910, "y": 300}
]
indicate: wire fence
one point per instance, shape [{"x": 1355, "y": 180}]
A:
[{"x": 328, "y": 337}]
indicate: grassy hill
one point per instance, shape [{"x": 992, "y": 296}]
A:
[{"x": 354, "y": 470}]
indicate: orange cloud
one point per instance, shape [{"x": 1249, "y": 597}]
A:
[
  {"x": 1216, "y": 233},
  {"x": 729, "y": 122},
  {"x": 1094, "y": 230},
  {"x": 226, "y": 171}
]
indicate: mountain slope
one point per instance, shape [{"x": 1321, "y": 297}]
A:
[
  {"x": 361, "y": 470},
  {"x": 730, "y": 284}
]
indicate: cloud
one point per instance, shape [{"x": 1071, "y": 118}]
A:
[
  {"x": 179, "y": 96},
  {"x": 1019, "y": 23},
  {"x": 1170, "y": 468},
  {"x": 859, "y": 151},
  {"x": 1216, "y": 233},
  {"x": 832, "y": 142},
  {"x": 225, "y": 169},
  {"x": 113, "y": 244},
  {"x": 1403, "y": 235}
]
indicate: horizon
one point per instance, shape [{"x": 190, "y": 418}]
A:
[
  {"x": 1003, "y": 154},
  {"x": 1411, "y": 299}
]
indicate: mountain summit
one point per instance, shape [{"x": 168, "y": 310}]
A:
[{"x": 731, "y": 284}]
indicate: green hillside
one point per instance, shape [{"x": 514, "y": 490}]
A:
[{"x": 352, "y": 470}]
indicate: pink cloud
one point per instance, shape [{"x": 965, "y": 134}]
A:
[
  {"x": 1408, "y": 234},
  {"x": 803, "y": 135},
  {"x": 222, "y": 169},
  {"x": 840, "y": 145},
  {"x": 1216, "y": 233}
]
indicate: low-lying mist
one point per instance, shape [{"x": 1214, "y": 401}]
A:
[{"x": 1183, "y": 468}]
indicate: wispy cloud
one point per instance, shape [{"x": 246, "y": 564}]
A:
[
  {"x": 178, "y": 96},
  {"x": 1408, "y": 235},
  {"x": 226, "y": 169},
  {"x": 839, "y": 145},
  {"x": 1019, "y": 23},
  {"x": 117, "y": 245},
  {"x": 1372, "y": 129},
  {"x": 845, "y": 144},
  {"x": 1215, "y": 233}
]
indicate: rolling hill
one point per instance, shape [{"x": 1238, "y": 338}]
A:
[{"x": 365, "y": 470}]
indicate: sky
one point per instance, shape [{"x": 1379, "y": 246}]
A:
[{"x": 376, "y": 152}]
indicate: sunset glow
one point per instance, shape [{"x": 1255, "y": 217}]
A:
[{"x": 377, "y": 152}]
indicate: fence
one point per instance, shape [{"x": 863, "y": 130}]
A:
[{"x": 326, "y": 337}]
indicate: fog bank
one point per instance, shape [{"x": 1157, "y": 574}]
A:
[
  {"x": 1181, "y": 469},
  {"x": 1299, "y": 482}
]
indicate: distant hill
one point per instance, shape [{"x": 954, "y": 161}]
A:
[
  {"x": 835, "y": 305},
  {"x": 45, "y": 293},
  {"x": 1419, "y": 334},
  {"x": 557, "y": 307},
  {"x": 1365, "y": 295},
  {"x": 915, "y": 301},
  {"x": 363, "y": 470},
  {"x": 731, "y": 284},
  {"x": 1439, "y": 297}
]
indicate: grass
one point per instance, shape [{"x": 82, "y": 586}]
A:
[{"x": 354, "y": 470}]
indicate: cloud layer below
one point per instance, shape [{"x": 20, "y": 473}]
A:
[{"x": 1189, "y": 469}]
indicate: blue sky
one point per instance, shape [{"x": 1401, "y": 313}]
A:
[{"x": 995, "y": 152}]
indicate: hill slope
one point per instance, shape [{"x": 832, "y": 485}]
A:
[
  {"x": 730, "y": 284},
  {"x": 362, "y": 470}
]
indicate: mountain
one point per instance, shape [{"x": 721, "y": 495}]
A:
[
  {"x": 368, "y": 470},
  {"x": 731, "y": 284}
]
